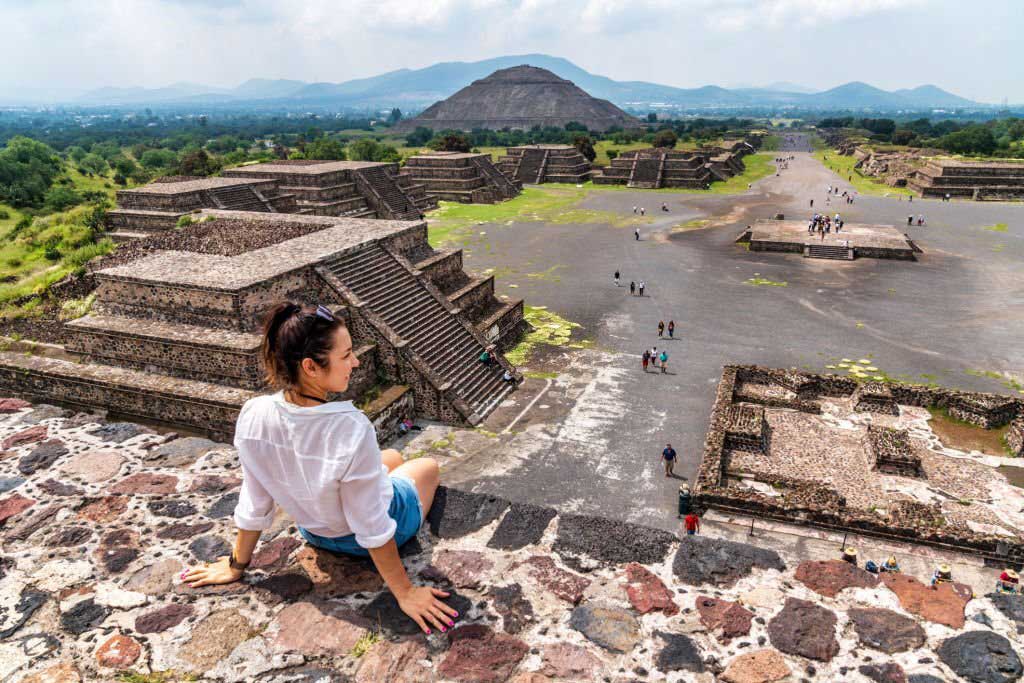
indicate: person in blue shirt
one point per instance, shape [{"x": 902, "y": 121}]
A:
[{"x": 669, "y": 456}]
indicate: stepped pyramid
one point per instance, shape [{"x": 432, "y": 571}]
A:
[{"x": 520, "y": 98}]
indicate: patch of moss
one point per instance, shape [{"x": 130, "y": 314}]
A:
[
  {"x": 549, "y": 329},
  {"x": 536, "y": 374},
  {"x": 998, "y": 227},
  {"x": 365, "y": 642},
  {"x": 765, "y": 282}
]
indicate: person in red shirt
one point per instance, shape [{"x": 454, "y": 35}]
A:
[{"x": 692, "y": 524}]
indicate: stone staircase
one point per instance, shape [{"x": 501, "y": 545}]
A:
[
  {"x": 531, "y": 166},
  {"x": 647, "y": 173},
  {"x": 828, "y": 251},
  {"x": 506, "y": 186},
  {"x": 238, "y": 198},
  {"x": 397, "y": 204},
  {"x": 433, "y": 332}
]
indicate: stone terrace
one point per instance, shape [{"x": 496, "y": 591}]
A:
[
  {"x": 972, "y": 180},
  {"x": 856, "y": 240},
  {"x": 184, "y": 325},
  {"x": 654, "y": 168},
  {"x": 833, "y": 461},
  {"x": 99, "y": 519},
  {"x": 535, "y": 164},
  {"x": 461, "y": 177}
]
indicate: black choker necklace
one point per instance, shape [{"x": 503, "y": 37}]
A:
[{"x": 311, "y": 398}]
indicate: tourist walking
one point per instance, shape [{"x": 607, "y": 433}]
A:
[
  {"x": 661, "y": 328},
  {"x": 636, "y": 234},
  {"x": 663, "y": 358},
  {"x": 641, "y": 286},
  {"x": 671, "y": 328},
  {"x": 634, "y": 209},
  {"x": 692, "y": 524},
  {"x": 319, "y": 461},
  {"x": 669, "y": 457},
  {"x": 616, "y": 278},
  {"x": 654, "y": 356},
  {"x": 643, "y": 211},
  {"x": 645, "y": 359},
  {"x": 920, "y": 219},
  {"x": 910, "y": 219},
  {"x": 812, "y": 203},
  {"x": 632, "y": 288}
]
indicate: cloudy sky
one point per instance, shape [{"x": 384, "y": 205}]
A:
[{"x": 965, "y": 46}]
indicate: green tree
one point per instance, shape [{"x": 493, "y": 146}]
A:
[
  {"x": 419, "y": 137},
  {"x": 157, "y": 158},
  {"x": 665, "y": 138},
  {"x": 613, "y": 154},
  {"x": 61, "y": 197},
  {"x": 324, "y": 148},
  {"x": 585, "y": 146},
  {"x": 364, "y": 149},
  {"x": 27, "y": 170},
  {"x": 92, "y": 164},
  {"x": 198, "y": 162},
  {"x": 76, "y": 153},
  {"x": 974, "y": 139},
  {"x": 450, "y": 141},
  {"x": 395, "y": 116}
]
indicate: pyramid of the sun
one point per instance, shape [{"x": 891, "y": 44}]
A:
[{"x": 520, "y": 98}]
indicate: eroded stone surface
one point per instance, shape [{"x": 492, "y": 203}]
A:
[
  {"x": 981, "y": 657},
  {"x": 182, "y": 531},
  {"x": 564, "y": 660},
  {"x": 479, "y": 655},
  {"x": 283, "y": 587},
  {"x": 561, "y": 582},
  {"x": 832, "y": 576},
  {"x": 763, "y": 666},
  {"x": 646, "y": 592},
  {"x": 515, "y": 610},
  {"x": 146, "y": 483},
  {"x": 679, "y": 653},
  {"x": 522, "y": 525},
  {"x": 214, "y": 638},
  {"x": 805, "y": 629},
  {"x": 1012, "y": 606},
  {"x": 180, "y": 452},
  {"x": 252, "y": 658},
  {"x": 883, "y": 673},
  {"x": 223, "y": 506},
  {"x": 10, "y": 483},
  {"x": 943, "y": 604},
  {"x": 701, "y": 560},
  {"x": 118, "y": 432},
  {"x": 83, "y": 616},
  {"x": 17, "y": 605},
  {"x": 42, "y": 456},
  {"x": 94, "y": 466},
  {"x": 384, "y": 613},
  {"x": 60, "y": 574},
  {"x": 314, "y": 629},
  {"x": 103, "y": 510},
  {"x": 608, "y": 542},
  {"x": 24, "y": 437},
  {"x": 886, "y": 630},
  {"x": 175, "y": 509},
  {"x": 400, "y": 662},
  {"x": 456, "y": 513},
  {"x": 118, "y": 652},
  {"x": 12, "y": 405},
  {"x": 61, "y": 672},
  {"x": 274, "y": 554},
  {"x": 614, "y": 629},
  {"x": 461, "y": 568},
  {"x": 13, "y": 505},
  {"x": 728, "y": 617},
  {"x": 164, "y": 618},
  {"x": 209, "y": 548},
  {"x": 156, "y": 579},
  {"x": 337, "y": 575}
]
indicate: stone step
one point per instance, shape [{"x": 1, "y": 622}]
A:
[
  {"x": 828, "y": 251},
  {"x": 122, "y": 236},
  {"x": 189, "y": 351}
]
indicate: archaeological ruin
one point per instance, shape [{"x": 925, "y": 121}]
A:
[
  {"x": 536, "y": 164},
  {"x": 461, "y": 177},
  {"x": 356, "y": 189},
  {"x": 969, "y": 180},
  {"x": 173, "y": 335},
  {"x": 520, "y": 98},
  {"x": 776, "y": 437},
  {"x": 660, "y": 167},
  {"x": 856, "y": 240}
]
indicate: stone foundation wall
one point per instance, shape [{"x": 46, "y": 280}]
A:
[
  {"x": 506, "y": 327},
  {"x": 387, "y": 413},
  {"x": 443, "y": 268},
  {"x": 142, "y": 222},
  {"x": 1015, "y": 437}
]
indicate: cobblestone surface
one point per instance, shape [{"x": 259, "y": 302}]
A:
[{"x": 91, "y": 591}]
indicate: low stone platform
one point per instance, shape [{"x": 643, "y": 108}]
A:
[
  {"x": 461, "y": 177},
  {"x": 856, "y": 240},
  {"x": 99, "y": 519},
  {"x": 837, "y": 461}
]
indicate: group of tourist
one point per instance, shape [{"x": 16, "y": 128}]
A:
[
  {"x": 1008, "y": 582},
  {"x": 920, "y": 219},
  {"x": 653, "y": 357},
  {"x": 823, "y": 223},
  {"x": 671, "y": 328},
  {"x": 635, "y": 288}
]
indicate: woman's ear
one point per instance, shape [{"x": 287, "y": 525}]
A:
[{"x": 309, "y": 367}]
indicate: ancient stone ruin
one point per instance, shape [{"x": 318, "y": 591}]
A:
[
  {"x": 520, "y": 98},
  {"x": 461, "y": 177},
  {"x": 658, "y": 167},
  {"x": 173, "y": 336},
  {"x": 969, "y": 180},
  {"x": 848, "y": 456},
  {"x": 536, "y": 164},
  {"x": 856, "y": 240},
  {"x": 354, "y": 189}
]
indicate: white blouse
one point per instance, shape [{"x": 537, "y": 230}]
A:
[{"x": 321, "y": 464}]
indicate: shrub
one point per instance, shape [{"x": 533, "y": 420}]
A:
[
  {"x": 665, "y": 138},
  {"x": 61, "y": 198},
  {"x": 185, "y": 221},
  {"x": 52, "y": 253}
]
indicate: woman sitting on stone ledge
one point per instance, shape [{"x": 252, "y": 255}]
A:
[{"x": 320, "y": 462}]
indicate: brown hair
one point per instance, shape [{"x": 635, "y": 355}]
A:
[{"x": 291, "y": 333}]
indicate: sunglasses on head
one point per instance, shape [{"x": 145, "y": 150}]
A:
[{"x": 324, "y": 312}]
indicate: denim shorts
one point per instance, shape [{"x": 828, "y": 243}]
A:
[{"x": 405, "y": 509}]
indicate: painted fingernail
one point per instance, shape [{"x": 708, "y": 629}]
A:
[
  {"x": 456, "y": 614},
  {"x": 451, "y": 623},
  {"x": 443, "y": 629},
  {"x": 428, "y": 631}
]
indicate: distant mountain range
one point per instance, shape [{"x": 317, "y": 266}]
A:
[{"x": 413, "y": 89}]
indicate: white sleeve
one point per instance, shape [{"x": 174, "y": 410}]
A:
[
  {"x": 255, "y": 508},
  {"x": 366, "y": 493}
]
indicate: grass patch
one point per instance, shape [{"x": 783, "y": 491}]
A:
[
  {"x": 76, "y": 308},
  {"x": 365, "y": 642},
  {"x": 537, "y": 374},
  {"x": 965, "y": 436},
  {"x": 695, "y": 224},
  {"x": 998, "y": 227},
  {"x": 844, "y": 167},
  {"x": 765, "y": 282},
  {"x": 155, "y": 677},
  {"x": 549, "y": 329}
]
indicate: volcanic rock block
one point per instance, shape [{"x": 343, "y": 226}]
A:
[
  {"x": 515, "y": 610},
  {"x": 164, "y": 618},
  {"x": 943, "y": 604},
  {"x": 118, "y": 652},
  {"x": 614, "y": 629},
  {"x": 42, "y": 456},
  {"x": 384, "y": 613},
  {"x": 283, "y": 587},
  {"x": 830, "y": 577},
  {"x": 680, "y": 653},
  {"x": 315, "y": 629},
  {"x": 564, "y": 584},
  {"x": 83, "y": 616},
  {"x": 94, "y": 466},
  {"x": 886, "y": 630},
  {"x": 12, "y": 405},
  {"x": 175, "y": 509},
  {"x": 805, "y": 629},
  {"x": 273, "y": 554},
  {"x": 456, "y": 513},
  {"x": 180, "y": 452},
  {"x": 214, "y": 638},
  {"x": 608, "y": 542},
  {"x": 646, "y": 592},
  {"x": 522, "y": 525},
  {"x": 730, "y": 617},
  {"x": 461, "y": 568},
  {"x": 567, "y": 661},
  {"x": 24, "y": 437},
  {"x": 981, "y": 657},
  {"x": 13, "y": 505},
  {"x": 702, "y": 560},
  {"x": 763, "y": 666},
  {"x": 400, "y": 662},
  {"x": 209, "y": 548},
  {"x": 338, "y": 575},
  {"x": 14, "y": 617},
  {"x": 118, "y": 432},
  {"x": 480, "y": 655},
  {"x": 146, "y": 483},
  {"x": 884, "y": 673},
  {"x": 1012, "y": 606}
]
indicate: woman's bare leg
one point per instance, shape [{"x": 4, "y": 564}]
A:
[
  {"x": 426, "y": 474},
  {"x": 391, "y": 458}
]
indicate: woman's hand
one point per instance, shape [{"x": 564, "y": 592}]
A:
[
  {"x": 423, "y": 606},
  {"x": 212, "y": 574}
]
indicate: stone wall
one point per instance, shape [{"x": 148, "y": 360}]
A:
[{"x": 387, "y": 413}]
